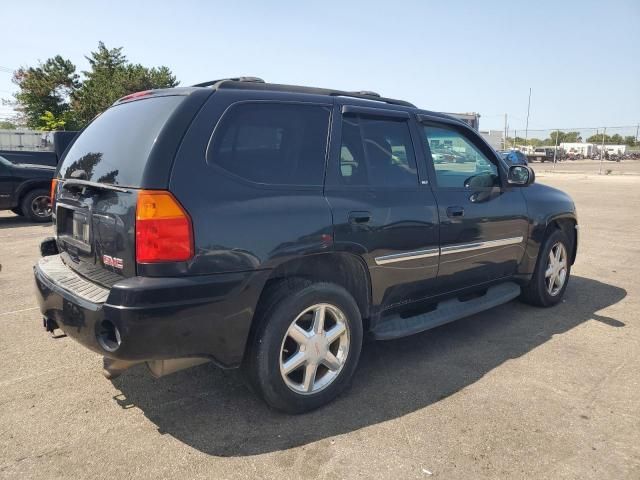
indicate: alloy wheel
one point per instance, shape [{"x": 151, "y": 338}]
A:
[
  {"x": 41, "y": 206},
  {"x": 556, "y": 273},
  {"x": 314, "y": 349}
]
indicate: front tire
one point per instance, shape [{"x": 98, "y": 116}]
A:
[
  {"x": 36, "y": 205},
  {"x": 551, "y": 276},
  {"x": 18, "y": 211},
  {"x": 306, "y": 346}
]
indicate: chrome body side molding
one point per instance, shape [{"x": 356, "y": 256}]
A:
[
  {"x": 467, "y": 247},
  {"x": 401, "y": 257},
  {"x": 448, "y": 250}
]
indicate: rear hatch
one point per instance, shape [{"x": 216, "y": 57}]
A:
[{"x": 122, "y": 151}]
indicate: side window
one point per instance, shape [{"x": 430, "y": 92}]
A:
[
  {"x": 376, "y": 152},
  {"x": 457, "y": 162},
  {"x": 273, "y": 143}
]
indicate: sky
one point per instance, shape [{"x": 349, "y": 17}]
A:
[{"x": 581, "y": 59}]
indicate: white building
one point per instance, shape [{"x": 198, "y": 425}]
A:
[
  {"x": 471, "y": 118},
  {"x": 23, "y": 139},
  {"x": 586, "y": 150},
  {"x": 615, "y": 149},
  {"x": 495, "y": 138}
]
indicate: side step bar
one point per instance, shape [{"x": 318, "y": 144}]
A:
[{"x": 446, "y": 311}]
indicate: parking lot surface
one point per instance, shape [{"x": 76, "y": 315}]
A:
[{"x": 514, "y": 392}]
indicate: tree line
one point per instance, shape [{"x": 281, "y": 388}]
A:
[
  {"x": 557, "y": 137},
  {"x": 54, "y": 96}
]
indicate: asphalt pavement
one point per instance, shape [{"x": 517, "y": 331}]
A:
[{"x": 514, "y": 392}]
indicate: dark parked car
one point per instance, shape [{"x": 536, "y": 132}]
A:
[
  {"x": 272, "y": 227},
  {"x": 25, "y": 189},
  {"x": 542, "y": 154}
]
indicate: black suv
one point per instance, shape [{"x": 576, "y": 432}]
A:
[{"x": 272, "y": 227}]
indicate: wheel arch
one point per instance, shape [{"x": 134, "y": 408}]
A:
[
  {"x": 569, "y": 226},
  {"x": 539, "y": 232},
  {"x": 29, "y": 185},
  {"x": 344, "y": 269}
]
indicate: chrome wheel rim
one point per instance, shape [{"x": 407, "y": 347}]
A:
[
  {"x": 41, "y": 206},
  {"x": 314, "y": 349},
  {"x": 556, "y": 273}
]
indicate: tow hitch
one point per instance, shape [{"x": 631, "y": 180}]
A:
[{"x": 51, "y": 326}]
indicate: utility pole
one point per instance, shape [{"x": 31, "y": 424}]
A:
[
  {"x": 555, "y": 150},
  {"x": 602, "y": 149},
  {"x": 526, "y": 130},
  {"x": 637, "y": 129},
  {"x": 504, "y": 143}
]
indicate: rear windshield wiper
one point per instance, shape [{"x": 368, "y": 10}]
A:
[{"x": 74, "y": 184}]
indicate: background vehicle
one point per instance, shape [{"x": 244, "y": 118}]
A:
[
  {"x": 514, "y": 157},
  {"x": 271, "y": 227},
  {"x": 25, "y": 177},
  {"x": 25, "y": 189},
  {"x": 48, "y": 155},
  {"x": 541, "y": 154}
]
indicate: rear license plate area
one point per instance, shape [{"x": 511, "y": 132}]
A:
[{"x": 74, "y": 227}]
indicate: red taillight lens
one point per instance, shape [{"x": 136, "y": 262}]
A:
[
  {"x": 52, "y": 195},
  {"x": 163, "y": 229}
]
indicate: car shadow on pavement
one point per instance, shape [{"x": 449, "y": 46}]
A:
[
  {"x": 18, "y": 221},
  {"x": 212, "y": 410}
]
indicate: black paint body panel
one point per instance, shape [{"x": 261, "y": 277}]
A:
[{"x": 244, "y": 232}]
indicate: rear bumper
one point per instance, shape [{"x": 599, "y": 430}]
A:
[{"x": 159, "y": 318}]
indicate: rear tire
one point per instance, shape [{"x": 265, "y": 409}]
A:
[
  {"x": 36, "y": 205},
  {"x": 551, "y": 276},
  {"x": 18, "y": 211},
  {"x": 306, "y": 346}
]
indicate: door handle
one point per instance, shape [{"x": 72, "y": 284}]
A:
[
  {"x": 455, "y": 211},
  {"x": 359, "y": 218}
]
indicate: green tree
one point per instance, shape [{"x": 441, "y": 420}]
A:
[
  {"x": 7, "y": 125},
  {"x": 572, "y": 137},
  {"x": 50, "y": 122},
  {"x": 566, "y": 137},
  {"x": 630, "y": 140},
  {"x": 617, "y": 139},
  {"x": 599, "y": 138},
  {"x": 47, "y": 87},
  {"x": 53, "y": 96},
  {"x": 112, "y": 77}
]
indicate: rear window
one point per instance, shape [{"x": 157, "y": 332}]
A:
[
  {"x": 273, "y": 143},
  {"x": 115, "y": 147}
]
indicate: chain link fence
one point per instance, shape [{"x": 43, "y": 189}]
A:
[{"x": 612, "y": 143}]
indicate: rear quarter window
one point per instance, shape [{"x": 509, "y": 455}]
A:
[
  {"x": 272, "y": 143},
  {"x": 115, "y": 147}
]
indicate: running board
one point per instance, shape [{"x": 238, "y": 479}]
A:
[{"x": 446, "y": 311}]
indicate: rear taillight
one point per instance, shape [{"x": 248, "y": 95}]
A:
[
  {"x": 163, "y": 229},
  {"x": 52, "y": 195}
]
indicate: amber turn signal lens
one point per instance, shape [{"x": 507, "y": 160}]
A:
[{"x": 52, "y": 194}]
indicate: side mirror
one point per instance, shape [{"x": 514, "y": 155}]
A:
[{"x": 520, "y": 176}]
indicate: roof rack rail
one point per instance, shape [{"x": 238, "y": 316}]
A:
[
  {"x": 233, "y": 79},
  {"x": 368, "y": 93},
  {"x": 371, "y": 96},
  {"x": 251, "y": 83}
]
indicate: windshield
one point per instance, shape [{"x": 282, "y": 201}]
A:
[{"x": 115, "y": 147}]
